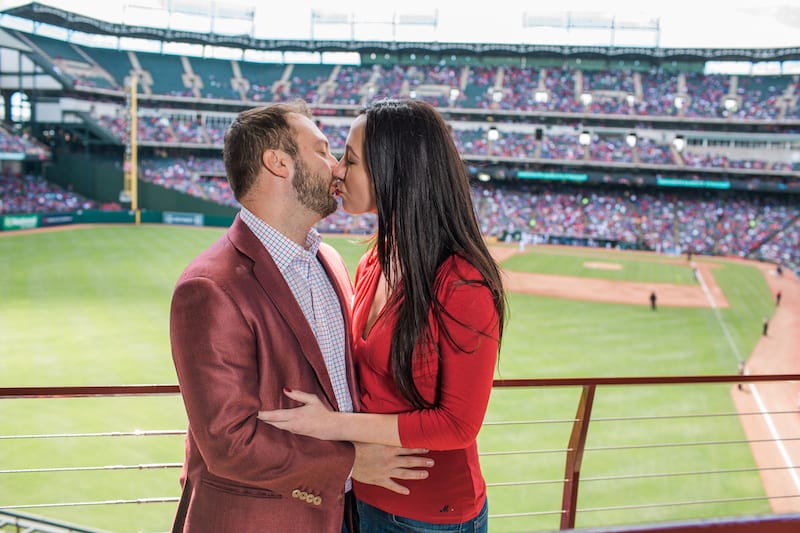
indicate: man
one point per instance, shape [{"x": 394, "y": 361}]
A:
[{"x": 262, "y": 309}]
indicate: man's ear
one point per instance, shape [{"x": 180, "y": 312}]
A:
[{"x": 277, "y": 162}]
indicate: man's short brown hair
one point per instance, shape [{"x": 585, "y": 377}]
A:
[{"x": 251, "y": 133}]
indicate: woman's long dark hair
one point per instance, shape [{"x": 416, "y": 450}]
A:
[{"x": 425, "y": 215}]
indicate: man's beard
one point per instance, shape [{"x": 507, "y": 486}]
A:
[{"x": 313, "y": 191}]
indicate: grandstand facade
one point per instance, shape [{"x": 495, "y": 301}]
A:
[{"x": 620, "y": 147}]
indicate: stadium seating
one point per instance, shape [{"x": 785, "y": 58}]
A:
[{"x": 744, "y": 224}]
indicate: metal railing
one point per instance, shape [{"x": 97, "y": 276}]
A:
[{"x": 572, "y": 451}]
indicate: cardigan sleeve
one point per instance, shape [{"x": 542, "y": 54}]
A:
[{"x": 468, "y": 341}]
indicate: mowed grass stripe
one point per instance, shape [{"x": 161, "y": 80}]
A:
[
  {"x": 569, "y": 337},
  {"x": 90, "y": 306},
  {"x": 618, "y": 266}
]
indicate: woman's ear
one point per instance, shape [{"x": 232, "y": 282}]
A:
[{"x": 277, "y": 162}]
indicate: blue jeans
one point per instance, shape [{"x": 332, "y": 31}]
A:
[{"x": 373, "y": 520}]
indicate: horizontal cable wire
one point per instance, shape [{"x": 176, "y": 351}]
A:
[
  {"x": 683, "y": 444},
  {"x": 524, "y": 483},
  {"x": 636, "y": 446},
  {"x": 697, "y": 415},
  {"x": 634, "y": 418},
  {"x": 643, "y": 506},
  {"x": 523, "y": 452},
  {"x": 696, "y": 502},
  {"x": 80, "y": 504},
  {"x": 152, "y": 466},
  {"x": 135, "y": 433},
  {"x": 638, "y": 476},
  {"x": 686, "y": 473},
  {"x": 531, "y": 513},
  {"x": 523, "y": 422}
]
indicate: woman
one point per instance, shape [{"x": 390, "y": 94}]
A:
[{"x": 428, "y": 317}]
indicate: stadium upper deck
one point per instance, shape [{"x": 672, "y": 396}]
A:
[{"x": 504, "y": 79}]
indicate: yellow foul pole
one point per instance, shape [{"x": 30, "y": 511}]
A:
[{"x": 131, "y": 165}]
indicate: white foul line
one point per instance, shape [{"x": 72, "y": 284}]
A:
[
  {"x": 761, "y": 407},
  {"x": 774, "y": 431}
]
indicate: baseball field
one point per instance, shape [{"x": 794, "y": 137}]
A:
[{"x": 89, "y": 306}]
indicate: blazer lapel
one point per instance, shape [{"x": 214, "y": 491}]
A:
[{"x": 277, "y": 291}]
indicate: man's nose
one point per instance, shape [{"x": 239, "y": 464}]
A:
[{"x": 338, "y": 168}]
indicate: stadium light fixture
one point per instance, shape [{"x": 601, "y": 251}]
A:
[
  {"x": 484, "y": 176},
  {"x": 454, "y": 94},
  {"x": 679, "y": 142},
  {"x": 679, "y": 102},
  {"x": 730, "y": 104},
  {"x": 585, "y": 138},
  {"x": 541, "y": 97},
  {"x": 497, "y": 95},
  {"x": 630, "y": 100},
  {"x": 493, "y": 134},
  {"x": 631, "y": 139},
  {"x": 586, "y": 98}
]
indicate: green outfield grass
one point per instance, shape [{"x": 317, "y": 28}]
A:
[
  {"x": 90, "y": 306},
  {"x": 632, "y": 266}
]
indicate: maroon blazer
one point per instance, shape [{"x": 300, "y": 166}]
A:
[{"x": 238, "y": 338}]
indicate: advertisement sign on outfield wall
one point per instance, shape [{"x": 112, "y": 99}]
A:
[
  {"x": 184, "y": 219},
  {"x": 57, "y": 220},
  {"x": 11, "y": 222}
]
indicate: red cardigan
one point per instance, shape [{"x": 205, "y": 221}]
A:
[{"x": 459, "y": 383}]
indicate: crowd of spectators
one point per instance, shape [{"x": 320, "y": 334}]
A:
[
  {"x": 719, "y": 223},
  {"x": 606, "y": 147},
  {"x": 203, "y": 177},
  {"x": 34, "y": 194},
  {"x": 672, "y": 221},
  {"x": 166, "y": 129},
  {"x": 735, "y": 224},
  {"x": 567, "y": 88},
  {"x": 22, "y": 144}
]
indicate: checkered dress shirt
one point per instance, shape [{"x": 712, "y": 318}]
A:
[{"x": 314, "y": 292}]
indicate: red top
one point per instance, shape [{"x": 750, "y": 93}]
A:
[{"x": 459, "y": 384}]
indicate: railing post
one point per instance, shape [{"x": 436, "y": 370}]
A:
[{"x": 572, "y": 471}]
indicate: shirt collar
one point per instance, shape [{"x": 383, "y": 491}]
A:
[{"x": 282, "y": 249}]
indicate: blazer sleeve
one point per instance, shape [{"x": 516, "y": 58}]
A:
[{"x": 214, "y": 346}]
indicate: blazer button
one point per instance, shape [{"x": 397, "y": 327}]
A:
[
  {"x": 296, "y": 493},
  {"x": 317, "y": 500},
  {"x": 303, "y": 495},
  {"x": 309, "y": 497}
]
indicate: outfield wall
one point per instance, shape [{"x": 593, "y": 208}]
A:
[
  {"x": 102, "y": 180},
  {"x": 41, "y": 220}
]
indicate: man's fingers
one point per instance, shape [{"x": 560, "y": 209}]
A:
[
  {"x": 409, "y": 473},
  {"x": 396, "y": 487},
  {"x": 413, "y": 461},
  {"x": 410, "y": 451},
  {"x": 383, "y": 465},
  {"x": 403, "y": 473}
]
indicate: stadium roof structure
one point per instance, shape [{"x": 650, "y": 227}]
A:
[{"x": 46, "y": 14}]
